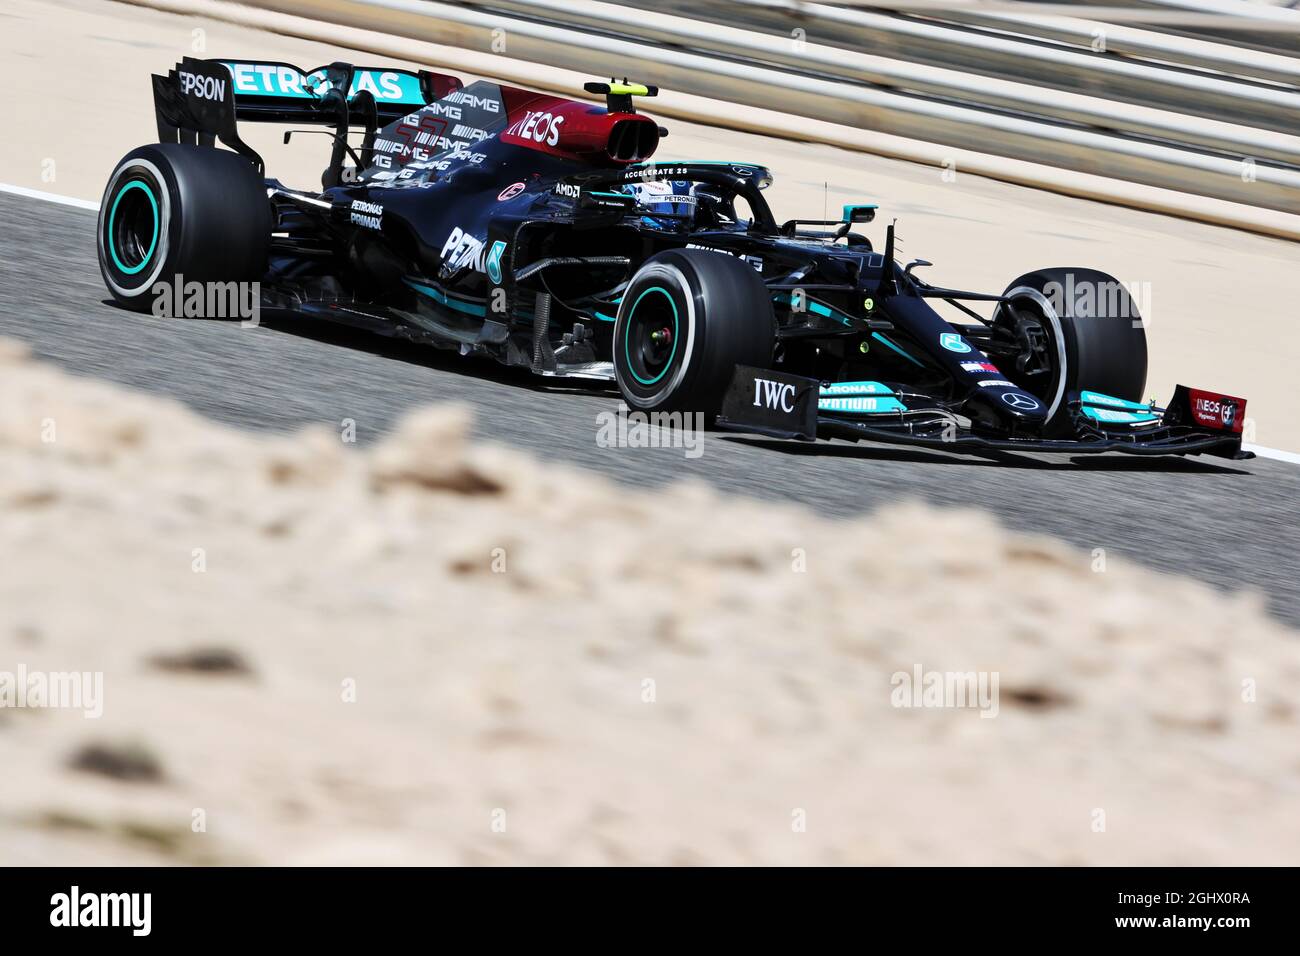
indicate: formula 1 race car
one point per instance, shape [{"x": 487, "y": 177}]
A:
[{"x": 533, "y": 230}]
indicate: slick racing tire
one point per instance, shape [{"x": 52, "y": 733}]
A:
[
  {"x": 1086, "y": 334},
  {"x": 173, "y": 210},
  {"x": 687, "y": 319}
]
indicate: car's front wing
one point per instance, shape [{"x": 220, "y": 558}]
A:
[{"x": 774, "y": 403}]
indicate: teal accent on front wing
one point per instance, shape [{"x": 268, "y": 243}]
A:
[
  {"x": 112, "y": 214},
  {"x": 468, "y": 308},
  {"x": 860, "y": 405},
  {"x": 1097, "y": 398},
  {"x": 1116, "y": 411},
  {"x": 1119, "y": 416}
]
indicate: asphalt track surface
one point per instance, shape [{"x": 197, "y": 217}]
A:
[{"x": 1232, "y": 524}]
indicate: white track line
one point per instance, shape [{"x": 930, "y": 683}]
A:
[
  {"x": 1275, "y": 453},
  {"x": 49, "y": 197},
  {"x": 1288, "y": 456}
]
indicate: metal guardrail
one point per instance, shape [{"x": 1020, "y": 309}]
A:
[
  {"x": 1202, "y": 92},
  {"x": 1126, "y": 141},
  {"x": 1259, "y": 26},
  {"x": 1140, "y": 43},
  {"x": 950, "y": 86}
]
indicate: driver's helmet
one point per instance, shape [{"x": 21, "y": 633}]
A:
[{"x": 674, "y": 202}]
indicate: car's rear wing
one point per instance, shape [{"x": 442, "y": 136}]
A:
[
  {"x": 281, "y": 93},
  {"x": 199, "y": 101}
]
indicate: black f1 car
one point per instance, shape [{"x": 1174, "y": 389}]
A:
[{"x": 533, "y": 230}]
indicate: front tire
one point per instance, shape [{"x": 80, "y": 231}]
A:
[
  {"x": 687, "y": 319},
  {"x": 174, "y": 209},
  {"x": 1084, "y": 332}
]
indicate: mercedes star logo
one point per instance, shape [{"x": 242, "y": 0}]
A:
[{"x": 1020, "y": 402}]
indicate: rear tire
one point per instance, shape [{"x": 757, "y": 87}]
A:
[
  {"x": 687, "y": 319},
  {"x": 174, "y": 209},
  {"x": 1094, "y": 335}
]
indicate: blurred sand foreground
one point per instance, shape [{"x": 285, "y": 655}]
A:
[
  {"x": 1218, "y": 305},
  {"x": 431, "y": 651}
]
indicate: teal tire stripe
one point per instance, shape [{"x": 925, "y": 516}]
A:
[
  {"x": 627, "y": 335},
  {"x": 112, "y": 214}
]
